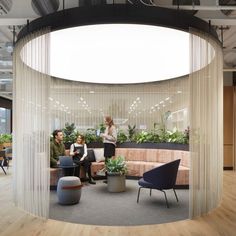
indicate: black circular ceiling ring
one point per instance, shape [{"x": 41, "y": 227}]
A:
[
  {"x": 118, "y": 13},
  {"x": 187, "y": 2}
]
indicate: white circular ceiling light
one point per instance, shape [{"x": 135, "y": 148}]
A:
[
  {"x": 116, "y": 44},
  {"x": 119, "y": 53}
]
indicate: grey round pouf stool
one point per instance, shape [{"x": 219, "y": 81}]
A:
[{"x": 69, "y": 190}]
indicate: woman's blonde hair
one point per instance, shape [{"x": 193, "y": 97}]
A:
[
  {"x": 109, "y": 120},
  {"x": 82, "y": 137}
]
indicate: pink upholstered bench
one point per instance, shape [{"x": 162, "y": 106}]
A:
[{"x": 140, "y": 160}]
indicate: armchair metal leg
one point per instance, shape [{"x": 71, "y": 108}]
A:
[
  {"x": 167, "y": 204},
  {"x": 176, "y": 195},
  {"x": 3, "y": 170},
  {"x": 150, "y": 192},
  {"x": 138, "y": 194},
  {"x": 7, "y": 159}
]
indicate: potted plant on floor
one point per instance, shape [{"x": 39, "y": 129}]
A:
[{"x": 116, "y": 170}]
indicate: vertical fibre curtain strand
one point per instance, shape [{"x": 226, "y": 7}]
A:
[
  {"x": 206, "y": 124},
  {"x": 31, "y": 125}
]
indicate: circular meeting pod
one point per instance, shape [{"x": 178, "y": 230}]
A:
[{"x": 41, "y": 91}]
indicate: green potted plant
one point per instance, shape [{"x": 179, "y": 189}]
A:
[
  {"x": 70, "y": 134},
  {"x": 131, "y": 131},
  {"x": 121, "y": 136},
  {"x": 116, "y": 170},
  {"x": 92, "y": 139},
  {"x": 6, "y": 140},
  {"x": 1, "y": 141}
]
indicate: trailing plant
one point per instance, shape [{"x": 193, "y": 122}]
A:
[{"x": 116, "y": 165}]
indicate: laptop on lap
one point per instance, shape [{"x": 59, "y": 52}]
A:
[{"x": 66, "y": 161}]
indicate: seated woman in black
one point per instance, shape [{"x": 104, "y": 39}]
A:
[{"x": 78, "y": 151}]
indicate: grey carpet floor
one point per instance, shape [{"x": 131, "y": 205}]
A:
[{"x": 99, "y": 207}]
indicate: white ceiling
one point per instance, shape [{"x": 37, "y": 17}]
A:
[{"x": 223, "y": 17}]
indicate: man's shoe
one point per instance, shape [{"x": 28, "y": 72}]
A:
[{"x": 92, "y": 182}]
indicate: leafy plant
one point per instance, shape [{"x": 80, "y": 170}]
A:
[
  {"x": 90, "y": 136},
  {"x": 163, "y": 136},
  {"x": 1, "y": 139},
  {"x": 70, "y": 133},
  {"x": 5, "y": 138},
  {"x": 145, "y": 136},
  {"x": 175, "y": 136},
  {"x": 131, "y": 132},
  {"x": 121, "y": 137},
  {"x": 102, "y": 127},
  {"x": 116, "y": 165}
]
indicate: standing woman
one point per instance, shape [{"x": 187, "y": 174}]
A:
[
  {"x": 78, "y": 151},
  {"x": 109, "y": 138}
]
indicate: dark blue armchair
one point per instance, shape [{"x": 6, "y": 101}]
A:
[{"x": 160, "y": 178}]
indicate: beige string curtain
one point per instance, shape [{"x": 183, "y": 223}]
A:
[
  {"x": 42, "y": 104},
  {"x": 206, "y": 124},
  {"x": 31, "y": 124}
]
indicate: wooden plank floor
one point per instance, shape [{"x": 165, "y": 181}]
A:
[{"x": 221, "y": 221}]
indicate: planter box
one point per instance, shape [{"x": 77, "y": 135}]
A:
[
  {"x": 115, "y": 182},
  {"x": 170, "y": 146},
  {"x": 95, "y": 145}
]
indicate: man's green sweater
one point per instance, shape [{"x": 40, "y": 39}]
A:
[{"x": 56, "y": 150}]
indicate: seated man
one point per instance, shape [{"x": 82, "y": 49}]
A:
[{"x": 57, "y": 148}]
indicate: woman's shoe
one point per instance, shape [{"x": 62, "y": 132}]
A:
[{"x": 91, "y": 181}]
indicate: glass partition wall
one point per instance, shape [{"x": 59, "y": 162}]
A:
[{"x": 142, "y": 105}]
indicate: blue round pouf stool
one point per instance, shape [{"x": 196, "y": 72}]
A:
[{"x": 69, "y": 190}]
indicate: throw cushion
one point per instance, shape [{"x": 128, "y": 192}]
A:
[
  {"x": 99, "y": 154},
  {"x": 91, "y": 156}
]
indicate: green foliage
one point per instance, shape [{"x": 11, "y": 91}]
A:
[
  {"x": 131, "y": 132},
  {"x": 121, "y": 136},
  {"x": 163, "y": 136},
  {"x": 70, "y": 133},
  {"x": 5, "y": 138},
  {"x": 102, "y": 127},
  {"x": 176, "y": 137},
  {"x": 144, "y": 137},
  {"x": 159, "y": 135},
  {"x": 90, "y": 136},
  {"x": 116, "y": 165}
]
